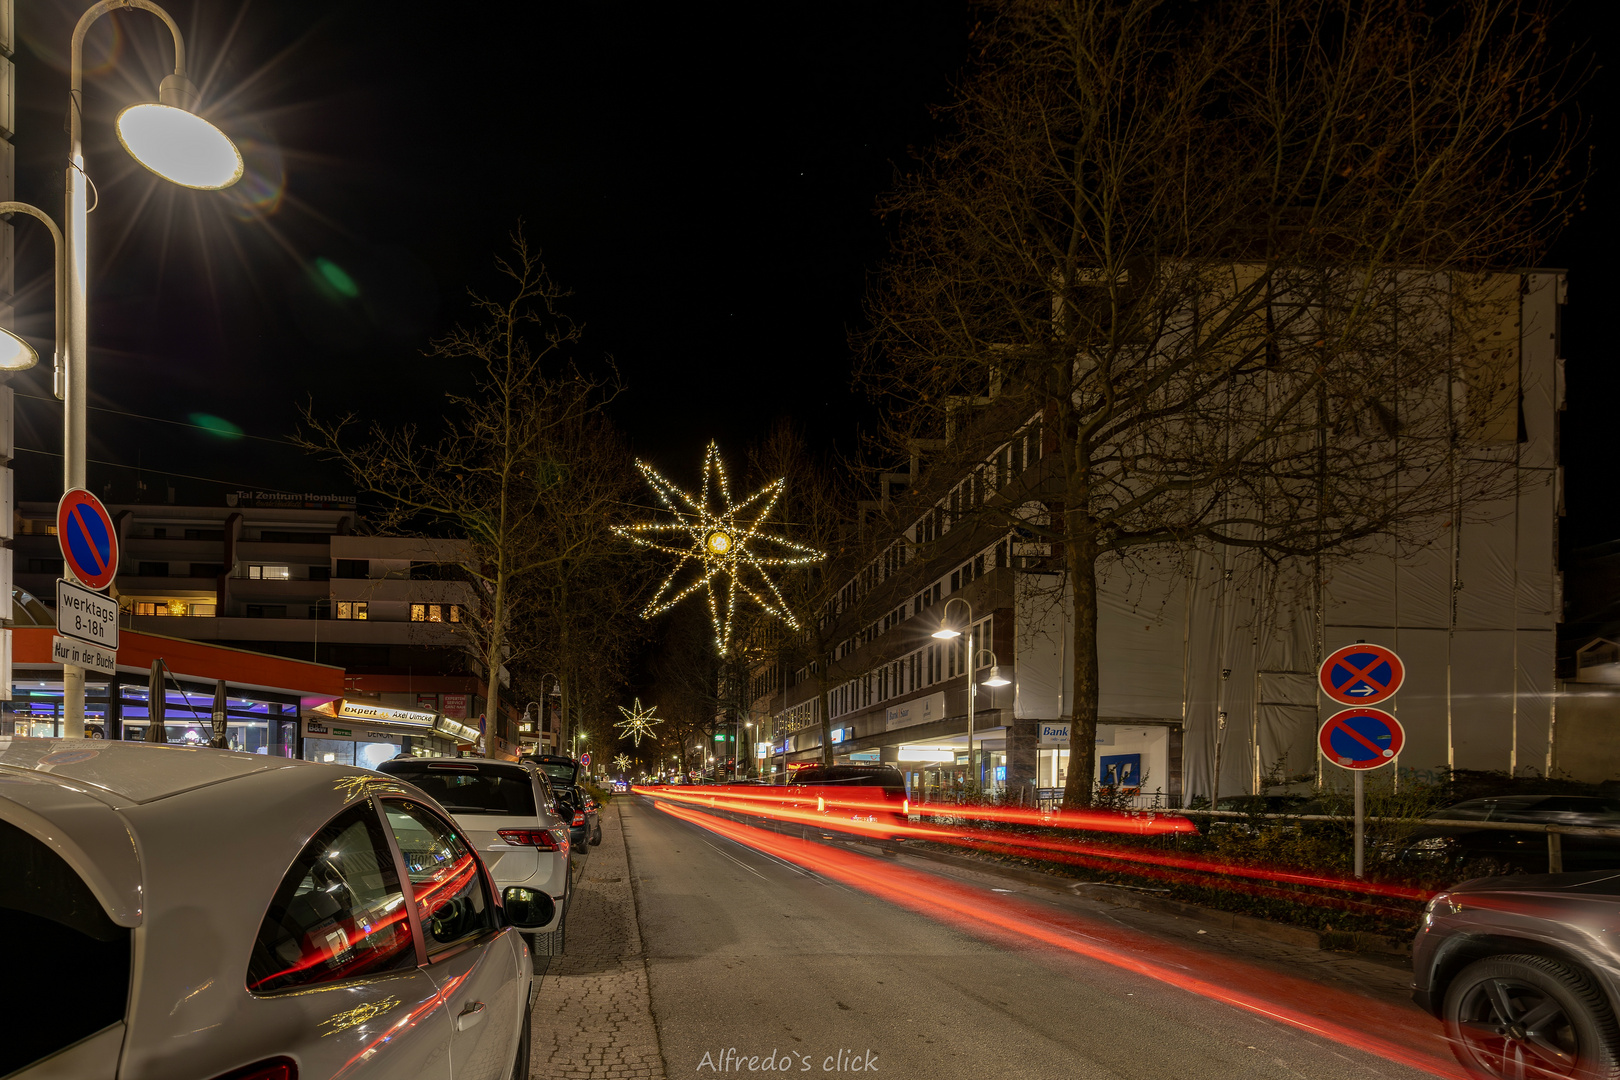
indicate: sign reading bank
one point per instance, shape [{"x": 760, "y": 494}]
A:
[
  {"x": 921, "y": 710},
  {"x": 1054, "y": 734}
]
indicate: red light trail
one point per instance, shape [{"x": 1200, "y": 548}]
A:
[{"x": 1408, "y": 1037}]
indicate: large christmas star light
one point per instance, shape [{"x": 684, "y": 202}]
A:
[
  {"x": 638, "y": 722},
  {"x": 722, "y": 542}
]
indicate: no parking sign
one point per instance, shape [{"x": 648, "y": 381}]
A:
[{"x": 1361, "y": 674}]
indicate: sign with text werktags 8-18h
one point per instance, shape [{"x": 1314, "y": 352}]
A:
[{"x": 86, "y": 614}]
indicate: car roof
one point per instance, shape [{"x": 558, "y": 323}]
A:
[{"x": 131, "y": 772}]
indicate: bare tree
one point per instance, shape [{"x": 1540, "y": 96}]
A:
[
  {"x": 493, "y": 476},
  {"x": 1219, "y": 275}
]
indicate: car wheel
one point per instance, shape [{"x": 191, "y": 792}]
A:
[
  {"x": 520, "y": 1066},
  {"x": 1521, "y": 1016},
  {"x": 596, "y": 837},
  {"x": 551, "y": 943}
]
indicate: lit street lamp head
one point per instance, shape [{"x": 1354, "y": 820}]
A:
[
  {"x": 947, "y": 632},
  {"x": 994, "y": 678},
  {"x": 15, "y": 353},
  {"x": 180, "y": 146}
]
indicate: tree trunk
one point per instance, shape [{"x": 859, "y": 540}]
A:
[
  {"x": 492, "y": 663},
  {"x": 1080, "y": 549}
]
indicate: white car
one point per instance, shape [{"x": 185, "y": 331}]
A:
[
  {"x": 200, "y": 914},
  {"x": 510, "y": 814}
]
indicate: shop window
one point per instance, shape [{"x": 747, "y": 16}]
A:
[
  {"x": 269, "y": 573},
  {"x": 351, "y": 610},
  {"x": 335, "y": 915}
]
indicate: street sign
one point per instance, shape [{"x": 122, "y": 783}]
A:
[
  {"x": 1361, "y": 738},
  {"x": 89, "y": 542},
  {"x": 86, "y": 614},
  {"x": 1361, "y": 674},
  {"x": 81, "y": 654}
]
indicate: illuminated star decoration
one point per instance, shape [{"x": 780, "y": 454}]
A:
[
  {"x": 638, "y": 722},
  {"x": 622, "y": 762},
  {"x": 723, "y": 543}
]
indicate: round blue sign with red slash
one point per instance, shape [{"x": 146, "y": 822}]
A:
[
  {"x": 1361, "y": 738},
  {"x": 1361, "y": 674},
  {"x": 89, "y": 542}
]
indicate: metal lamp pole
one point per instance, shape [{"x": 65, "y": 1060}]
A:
[
  {"x": 948, "y": 632},
  {"x": 148, "y": 135}
]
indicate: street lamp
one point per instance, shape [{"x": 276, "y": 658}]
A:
[
  {"x": 947, "y": 632},
  {"x": 172, "y": 141},
  {"x": 15, "y": 353}
]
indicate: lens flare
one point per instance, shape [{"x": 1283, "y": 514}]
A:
[
  {"x": 333, "y": 279},
  {"x": 216, "y": 425}
]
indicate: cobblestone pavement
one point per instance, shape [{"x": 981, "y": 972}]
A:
[{"x": 592, "y": 1016}]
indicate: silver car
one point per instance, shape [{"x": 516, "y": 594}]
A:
[
  {"x": 198, "y": 914},
  {"x": 511, "y": 816}
]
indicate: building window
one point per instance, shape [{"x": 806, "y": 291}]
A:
[
  {"x": 436, "y": 613},
  {"x": 320, "y": 573},
  {"x": 152, "y": 569},
  {"x": 207, "y": 569},
  {"x": 351, "y": 609},
  {"x": 268, "y": 573},
  {"x": 354, "y": 568},
  {"x": 205, "y": 610}
]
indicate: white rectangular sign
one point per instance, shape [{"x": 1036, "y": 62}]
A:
[
  {"x": 86, "y": 614},
  {"x": 91, "y": 657},
  {"x": 918, "y": 711},
  {"x": 1054, "y": 734}
]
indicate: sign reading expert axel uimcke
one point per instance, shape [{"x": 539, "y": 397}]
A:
[{"x": 86, "y": 614}]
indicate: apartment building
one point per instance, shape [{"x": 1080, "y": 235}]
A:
[{"x": 1207, "y": 657}]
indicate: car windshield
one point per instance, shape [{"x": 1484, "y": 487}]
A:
[{"x": 469, "y": 789}]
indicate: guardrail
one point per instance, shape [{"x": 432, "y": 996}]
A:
[{"x": 1555, "y": 849}]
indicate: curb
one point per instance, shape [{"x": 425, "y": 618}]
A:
[{"x": 1372, "y": 945}]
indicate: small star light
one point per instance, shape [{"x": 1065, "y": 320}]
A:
[
  {"x": 622, "y": 762},
  {"x": 724, "y": 541},
  {"x": 638, "y": 722}
]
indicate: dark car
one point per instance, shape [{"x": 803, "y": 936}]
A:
[
  {"x": 1513, "y": 850},
  {"x": 867, "y": 793},
  {"x": 1525, "y": 972},
  {"x": 1256, "y": 805},
  {"x": 584, "y": 819}
]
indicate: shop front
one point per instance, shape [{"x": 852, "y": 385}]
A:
[
  {"x": 263, "y": 697},
  {"x": 360, "y": 733}
]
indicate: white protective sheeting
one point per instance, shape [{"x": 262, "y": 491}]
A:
[
  {"x": 1141, "y": 620},
  {"x": 1045, "y": 649}
]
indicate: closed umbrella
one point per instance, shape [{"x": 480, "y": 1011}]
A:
[
  {"x": 155, "y": 732},
  {"x": 218, "y": 741}
]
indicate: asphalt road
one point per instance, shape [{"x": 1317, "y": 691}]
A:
[{"x": 750, "y": 954}]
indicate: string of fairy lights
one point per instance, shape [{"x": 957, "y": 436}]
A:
[
  {"x": 637, "y": 722},
  {"x": 622, "y": 762},
  {"x": 725, "y": 546}
]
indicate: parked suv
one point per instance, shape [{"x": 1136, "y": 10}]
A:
[
  {"x": 1515, "y": 851},
  {"x": 509, "y": 812},
  {"x": 1525, "y": 973},
  {"x": 584, "y": 821}
]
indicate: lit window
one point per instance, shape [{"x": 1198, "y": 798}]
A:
[
  {"x": 177, "y": 607},
  {"x": 418, "y": 613},
  {"x": 435, "y": 613},
  {"x": 203, "y": 609},
  {"x": 455, "y": 612},
  {"x": 270, "y": 573},
  {"x": 351, "y": 609},
  {"x": 145, "y": 608}
]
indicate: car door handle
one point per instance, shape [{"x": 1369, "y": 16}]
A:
[{"x": 470, "y": 1015}]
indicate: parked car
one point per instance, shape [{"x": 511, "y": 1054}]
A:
[
  {"x": 511, "y": 816},
  {"x": 585, "y": 824},
  {"x": 1256, "y": 805},
  {"x": 1515, "y": 851},
  {"x": 868, "y": 793},
  {"x": 202, "y": 913},
  {"x": 1525, "y": 973}
]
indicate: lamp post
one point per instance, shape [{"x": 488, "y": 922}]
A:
[
  {"x": 947, "y": 632},
  {"x": 169, "y": 139}
]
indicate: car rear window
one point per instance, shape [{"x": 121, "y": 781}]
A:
[
  {"x": 54, "y": 932},
  {"x": 491, "y": 789},
  {"x": 563, "y": 772},
  {"x": 850, "y": 776}
]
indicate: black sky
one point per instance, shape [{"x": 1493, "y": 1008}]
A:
[{"x": 702, "y": 176}]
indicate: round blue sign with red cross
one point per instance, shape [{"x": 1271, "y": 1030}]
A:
[
  {"x": 89, "y": 542},
  {"x": 1361, "y": 738},
  {"x": 1361, "y": 674}
]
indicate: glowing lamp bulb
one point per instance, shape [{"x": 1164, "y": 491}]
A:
[
  {"x": 994, "y": 678},
  {"x": 180, "y": 146},
  {"x": 947, "y": 632},
  {"x": 15, "y": 353},
  {"x": 718, "y": 543}
]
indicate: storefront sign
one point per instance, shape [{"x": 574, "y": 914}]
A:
[
  {"x": 290, "y": 500},
  {"x": 762, "y": 749},
  {"x": 455, "y": 729},
  {"x": 84, "y": 655},
  {"x": 455, "y": 706},
  {"x": 1054, "y": 734},
  {"x": 315, "y": 727},
  {"x": 917, "y": 711},
  {"x": 839, "y": 734},
  {"x": 359, "y": 710},
  {"x": 347, "y": 733}
]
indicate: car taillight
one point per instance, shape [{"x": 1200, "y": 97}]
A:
[
  {"x": 905, "y": 806},
  {"x": 579, "y": 818},
  {"x": 535, "y": 838},
  {"x": 274, "y": 1069}
]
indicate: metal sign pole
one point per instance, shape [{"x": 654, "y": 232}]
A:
[{"x": 1361, "y": 826}]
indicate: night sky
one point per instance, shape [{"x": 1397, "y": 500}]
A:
[{"x": 702, "y": 176}]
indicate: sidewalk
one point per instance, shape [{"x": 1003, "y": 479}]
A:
[{"x": 592, "y": 1017}]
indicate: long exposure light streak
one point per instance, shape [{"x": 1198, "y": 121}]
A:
[{"x": 1408, "y": 1037}]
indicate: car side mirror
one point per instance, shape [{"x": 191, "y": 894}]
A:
[{"x": 528, "y": 909}]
